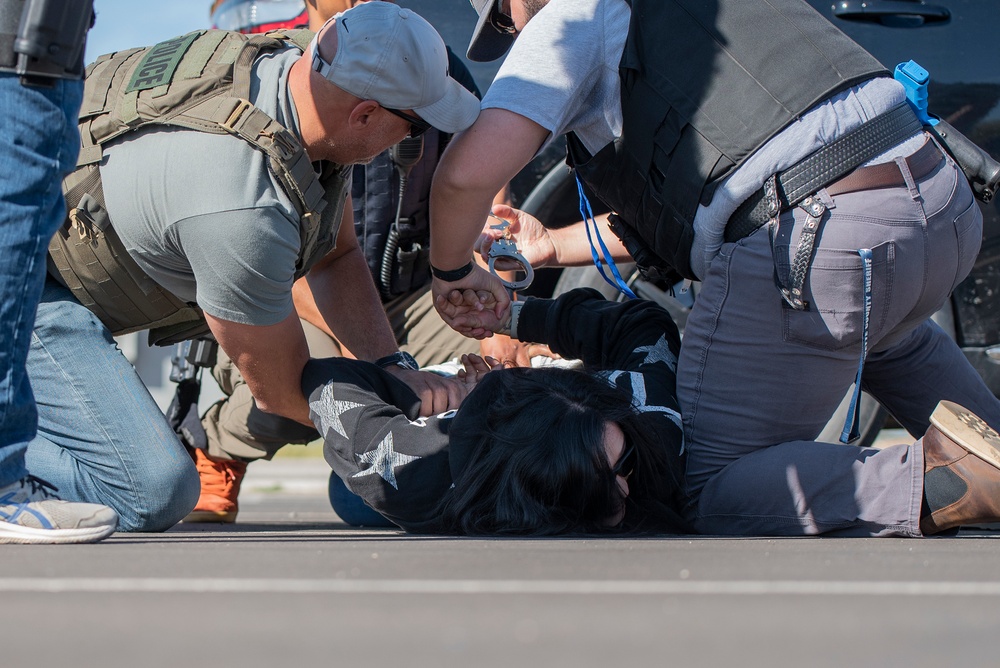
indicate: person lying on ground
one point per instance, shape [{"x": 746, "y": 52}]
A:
[{"x": 530, "y": 451}]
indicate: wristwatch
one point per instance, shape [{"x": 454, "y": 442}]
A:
[{"x": 401, "y": 359}]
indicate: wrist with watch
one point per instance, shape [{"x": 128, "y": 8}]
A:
[{"x": 399, "y": 358}]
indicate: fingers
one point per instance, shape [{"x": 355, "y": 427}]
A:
[{"x": 438, "y": 394}]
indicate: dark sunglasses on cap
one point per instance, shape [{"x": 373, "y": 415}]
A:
[
  {"x": 418, "y": 126},
  {"x": 501, "y": 22},
  {"x": 626, "y": 463}
]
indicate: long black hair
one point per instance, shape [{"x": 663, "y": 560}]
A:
[{"x": 527, "y": 457}]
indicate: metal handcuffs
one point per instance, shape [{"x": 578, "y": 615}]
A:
[{"x": 505, "y": 248}]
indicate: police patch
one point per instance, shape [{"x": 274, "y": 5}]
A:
[{"x": 158, "y": 65}]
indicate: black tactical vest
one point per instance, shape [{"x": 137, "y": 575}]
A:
[
  {"x": 397, "y": 251},
  {"x": 705, "y": 83}
]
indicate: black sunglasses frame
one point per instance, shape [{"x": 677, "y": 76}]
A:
[
  {"x": 625, "y": 466},
  {"x": 418, "y": 126},
  {"x": 502, "y": 23}
]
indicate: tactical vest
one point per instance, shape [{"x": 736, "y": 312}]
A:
[
  {"x": 397, "y": 248},
  {"x": 199, "y": 81},
  {"x": 704, "y": 85}
]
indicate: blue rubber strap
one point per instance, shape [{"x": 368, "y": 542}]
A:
[
  {"x": 588, "y": 217},
  {"x": 852, "y": 425}
]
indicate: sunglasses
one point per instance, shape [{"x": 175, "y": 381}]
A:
[
  {"x": 626, "y": 463},
  {"x": 501, "y": 22},
  {"x": 418, "y": 126}
]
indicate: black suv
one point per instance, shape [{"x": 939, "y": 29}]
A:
[{"x": 957, "y": 41}]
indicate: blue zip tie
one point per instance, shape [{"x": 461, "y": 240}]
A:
[
  {"x": 588, "y": 217},
  {"x": 852, "y": 425}
]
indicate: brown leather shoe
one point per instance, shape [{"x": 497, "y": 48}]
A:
[{"x": 961, "y": 450}]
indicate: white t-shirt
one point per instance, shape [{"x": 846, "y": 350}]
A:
[
  {"x": 562, "y": 73},
  {"x": 203, "y": 215}
]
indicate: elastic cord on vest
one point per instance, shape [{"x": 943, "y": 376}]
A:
[{"x": 588, "y": 217}]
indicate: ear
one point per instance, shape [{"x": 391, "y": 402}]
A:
[{"x": 363, "y": 115}]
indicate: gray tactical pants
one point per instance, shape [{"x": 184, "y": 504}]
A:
[
  {"x": 237, "y": 429},
  {"x": 758, "y": 380}
]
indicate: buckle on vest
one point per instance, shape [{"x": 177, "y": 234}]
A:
[
  {"x": 282, "y": 143},
  {"x": 229, "y": 125},
  {"x": 84, "y": 224}
]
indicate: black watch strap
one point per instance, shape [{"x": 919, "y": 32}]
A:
[
  {"x": 453, "y": 275},
  {"x": 401, "y": 359}
]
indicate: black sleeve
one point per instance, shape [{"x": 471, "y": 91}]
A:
[
  {"x": 460, "y": 73},
  {"x": 582, "y": 325},
  {"x": 374, "y": 440},
  {"x": 634, "y": 345}
]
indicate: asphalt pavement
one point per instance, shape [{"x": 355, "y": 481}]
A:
[{"x": 290, "y": 585}]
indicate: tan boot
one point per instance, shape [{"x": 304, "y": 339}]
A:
[
  {"x": 220, "y": 488},
  {"x": 960, "y": 449}
]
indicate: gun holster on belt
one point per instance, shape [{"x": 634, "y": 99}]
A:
[{"x": 43, "y": 40}]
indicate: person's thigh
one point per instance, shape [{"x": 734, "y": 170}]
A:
[
  {"x": 101, "y": 436},
  {"x": 926, "y": 367},
  {"x": 37, "y": 147}
]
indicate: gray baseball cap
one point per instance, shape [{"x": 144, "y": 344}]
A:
[
  {"x": 489, "y": 41},
  {"x": 391, "y": 55}
]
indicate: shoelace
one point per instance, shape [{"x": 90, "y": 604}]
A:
[{"x": 39, "y": 486}]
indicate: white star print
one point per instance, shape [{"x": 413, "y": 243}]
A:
[
  {"x": 659, "y": 353},
  {"x": 327, "y": 411},
  {"x": 638, "y": 383},
  {"x": 383, "y": 460}
]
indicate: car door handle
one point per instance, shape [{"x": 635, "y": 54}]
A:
[{"x": 891, "y": 12}]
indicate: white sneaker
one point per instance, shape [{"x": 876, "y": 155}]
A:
[{"x": 31, "y": 513}]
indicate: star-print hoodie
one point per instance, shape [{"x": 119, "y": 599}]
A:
[{"x": 403, "y": 465}]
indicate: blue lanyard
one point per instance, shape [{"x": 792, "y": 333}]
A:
[
  {"x": 852, "y": 425},
  {"x": 588, "y": 218}
]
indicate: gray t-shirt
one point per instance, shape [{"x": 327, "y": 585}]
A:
[
  {"x": 562, "y": 73},
  {"x": 203, "y": 215}
]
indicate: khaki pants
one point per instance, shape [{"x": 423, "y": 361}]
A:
[{"x": 237, "y": 429}]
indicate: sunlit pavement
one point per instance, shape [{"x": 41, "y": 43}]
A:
[{"x": 289, "y": 585}]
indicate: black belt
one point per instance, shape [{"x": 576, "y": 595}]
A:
[{"x": 783, "y": 191}]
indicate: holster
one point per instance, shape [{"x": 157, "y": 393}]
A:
[{"x": 42, "y": 40}]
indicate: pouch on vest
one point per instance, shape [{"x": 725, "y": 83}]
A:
[{"x": 87, "y": 256}]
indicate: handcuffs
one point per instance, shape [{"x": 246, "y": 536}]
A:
[{"x": 504, "y": 248}]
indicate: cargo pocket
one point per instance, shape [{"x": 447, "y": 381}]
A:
[{"x": 834, "y": 290}]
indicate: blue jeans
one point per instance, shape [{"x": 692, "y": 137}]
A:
[
  {"x": 101, "y": 437},
  {"x": 38, "y": 146},
  {"x": 351, "y": 508}
]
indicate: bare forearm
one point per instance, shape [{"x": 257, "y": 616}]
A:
[
  {"x": 340, "y": 298},
  {"x": 270, "y": 359},
  {"x": 477, "y": 165},
  {"x": 573, "y": 249}
]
